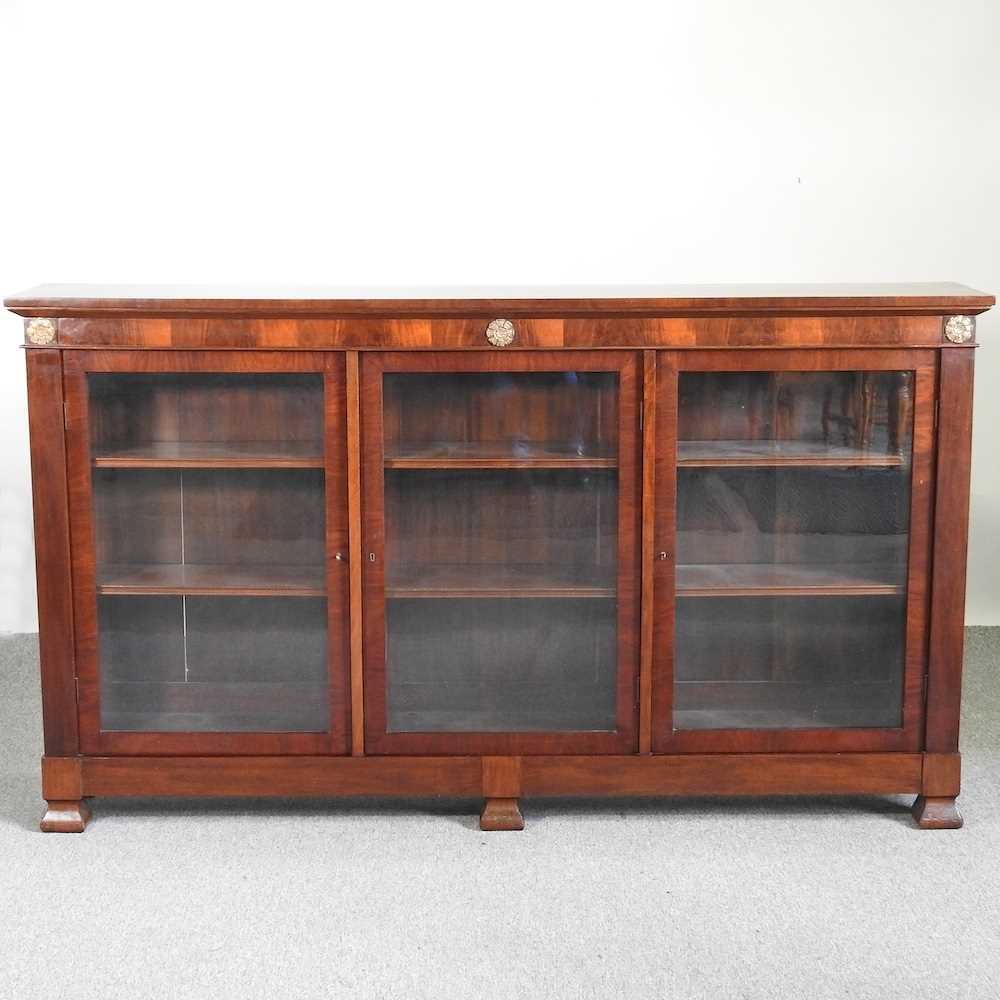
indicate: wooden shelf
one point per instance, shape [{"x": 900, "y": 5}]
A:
[
  {"x": 490, "y": 455},
  {"x": 516, "y": 705},
  {"x": 782, "y": 704},
  {"x": 785, "y": 580},
  {"x": 774, "y": 454},
  {"x": 214, "y": 455},
  {"x": 215, "y": 706},
  {"x": 477, "y": 720},
  {"x": 211, "y": 581},
  {"x": 494, "y": 581}
]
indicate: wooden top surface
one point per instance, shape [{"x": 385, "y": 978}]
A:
[{"x": 932, "y": 298}]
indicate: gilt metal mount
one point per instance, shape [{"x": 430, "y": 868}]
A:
[
  {"x": 40, "y": 331},
  {"x": 500, "y": 333},
  {"x": 960, "y": 329}
]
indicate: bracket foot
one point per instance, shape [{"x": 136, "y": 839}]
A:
[
  {"x": 65, "y": 816},
  {"x": 501, "y": 814},
  {"x": 936, "y": 813}
]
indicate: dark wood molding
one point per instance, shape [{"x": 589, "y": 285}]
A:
[
  {"x": 724, "y": 774},
  {"x": 639, "y": 300},
  {"x": 281, "y": 775},
  {"x": 540, "y": 776}
]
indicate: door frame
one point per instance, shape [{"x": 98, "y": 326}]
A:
[
  {"x": 623, "y": 738},
  {"x": 907, "y": 737},
  {"x": 78, "y": 365}
]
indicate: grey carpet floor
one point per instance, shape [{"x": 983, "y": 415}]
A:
[{"x": 695, "y": 898}]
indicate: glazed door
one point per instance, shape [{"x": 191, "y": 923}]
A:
[
  {"x": 792, "y": 550},
  {"x": 500, "y": 558},
  {"x": 208, "y": 509}
]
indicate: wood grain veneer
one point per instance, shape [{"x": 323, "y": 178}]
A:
[
  {"x": 53, "y": 552},
  {"x": 532, "y": 333}
]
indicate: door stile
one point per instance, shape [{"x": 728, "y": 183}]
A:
[
  {"x": 372, "y": 549},
  {"x": 664, "y": 547},
  {"x": 919, "y": 558},
  {"x": 355, "y": 555},
  {"x": 630, "y": 449},
  {"x": 84, "y": 569},
  {"x": 647, "y": 542},
  {"x": 337, "y": 573}
]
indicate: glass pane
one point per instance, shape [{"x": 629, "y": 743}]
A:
[
  {"x": 209, "y": 529},
  {"x": 501, "y": 508},
  {"x": 224, "y": 664},
  {"x": 792, "y": 534}
]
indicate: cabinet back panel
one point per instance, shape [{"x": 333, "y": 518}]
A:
[
  {"x": 244, "y": 517},
  {"x": 141, "y": 639},
  {"x": 789, "y": 663},
  {"x": 794, "y": 515},
  {"x": 560, "y": 518},
  {"x": 865, "y": 410},
  {"x": 575, "y": 408},
  {"x": 504, "y": 666},
  {"x": 129, "y": 409}
]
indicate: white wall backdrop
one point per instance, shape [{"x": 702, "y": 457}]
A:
[{"x": 403, "y": 143}]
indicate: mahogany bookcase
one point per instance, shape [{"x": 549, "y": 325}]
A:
[{"x": 647, "y": 541}]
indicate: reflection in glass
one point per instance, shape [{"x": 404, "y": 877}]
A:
[
  {"x": 209, "y": 532},
  {"x": 793, "y": 493},
  {"x": 501, "y": 515}
]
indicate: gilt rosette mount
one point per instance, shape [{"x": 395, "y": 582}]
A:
[
  {"x": 960, "y": 329},
  {"x": 40, "y": 331},
  {"x": 501, "y": 333}
]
